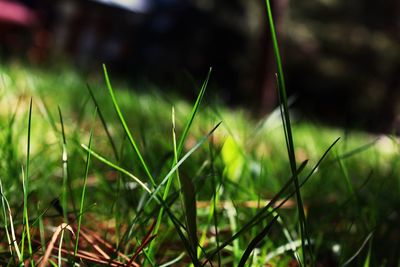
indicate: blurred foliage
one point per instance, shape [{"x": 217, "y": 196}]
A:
[{"x": 343, "y": 61}]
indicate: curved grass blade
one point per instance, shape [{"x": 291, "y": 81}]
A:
[
  {"x": 125, "y": 127},
  {"x": 359, "y": 250},
  {"x": 319, "y": 162},
  {"x": 172, "y": 262},
  {"x": 116, "y": 167},
  {"x": 355, "y": 151},
  {"x": 60, "y": 229},
  {"x": 255, "y": 241}
]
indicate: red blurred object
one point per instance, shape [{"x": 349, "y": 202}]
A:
[
  {"x": 19, "y": 25},
  {"x": 16, "y": 13}
]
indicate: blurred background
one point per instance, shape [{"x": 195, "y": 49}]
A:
[{"x": 341, "y": 58}]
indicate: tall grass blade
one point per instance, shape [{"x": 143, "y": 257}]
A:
[
  {"x": 178, "y": 151},
  {"x": 188, "y": 195},
  {"x": 25, "y": 185},
  {"x": 256, "y": 241},
  {"x": 288, "y": 135},
  {"x": 125, "y": 127},
  {"x": 87, "y": 165},
  {"x": 193, "y": 114},
  {"x": 64, "y": 196},
  {"x": 213, "y": 214}
]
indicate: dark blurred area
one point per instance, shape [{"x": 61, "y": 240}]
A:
[{"x": 341, "y": 59}]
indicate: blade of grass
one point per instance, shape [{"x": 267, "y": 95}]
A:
[
  {"x": 183, "y": 159},
  {"x": 185, "y": 241},
  {"x": 180, "y": 147},
  {"x": 41, "y": 230},
  {"x": 346, "y": 176},
  {"x": 114, "y": 210},
  {"x": 148, "y": 237},
  {"x": 355, "y": 151},
  {"x": 125, "y": 127},
  {"x": 193, "y": 114},
  {"x": 25, "y": 186},
  {"x": 216, "y": 195},
  {"x": 64, "y": 195},
  {"x": 319, "y": 162},
  {"x": 61, "y": 228},
  {"x": 188, "y": 196},
  {"x": 172, "y": 262},
  {"x": 288, "y": 134},
  {"x": 84, "y": 185},
  {"x": 370, "y": 235},
  {"x": 257, "y": 239},
  {"x": 13, "y": 239},
  {"x": 104, "y": 123},
  {"x": 288, "y": 236},
  {"x": 116, "y": 167},
  {"x": 367, "y": 261},
  {"x": 212, "y": 214}
]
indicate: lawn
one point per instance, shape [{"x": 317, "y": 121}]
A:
[{"x": 156, "y": 184}]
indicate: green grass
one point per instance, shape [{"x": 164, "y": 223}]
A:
[
  {"x": 349, "y": 201},
  {"x": 154, "y": 180}
]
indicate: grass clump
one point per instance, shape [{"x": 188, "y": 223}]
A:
[
  {"x": 154, "y": 182},
  {"x": 348, "y": 202}
]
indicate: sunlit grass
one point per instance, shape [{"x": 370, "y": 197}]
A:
[{"x": 349, "y": 201}]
